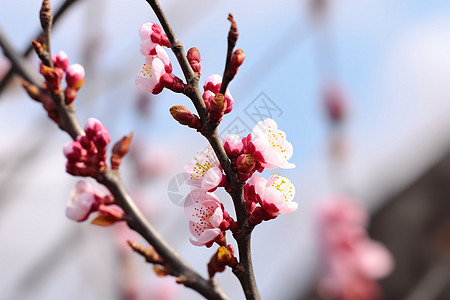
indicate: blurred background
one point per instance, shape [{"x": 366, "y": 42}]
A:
[{"x": 361, "y": 87}]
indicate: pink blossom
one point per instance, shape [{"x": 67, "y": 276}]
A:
[
  {"x": 274, "y": 195},
  {"x": 61, "y": 60},
  {"x": 83, "y": 200},
  {"x": 233, "y": 146},
  {"x": 352, "y": 261},
  {"x": 269, "y": 146},
  {"x": 75, "y": 76},
  {"x": 151, "y": 72},
  {"x": 204, "y": 172},
  {"x": 151, "y": 36},
  {"x": 212, "y": 87},
  {"x": 205, "y": 214}
]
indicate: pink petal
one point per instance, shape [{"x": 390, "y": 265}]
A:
[
  {"x": 212, "y": 179},
  {"x": 375, "y": 260}
]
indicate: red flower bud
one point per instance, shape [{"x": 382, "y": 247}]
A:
[
  {"x": 193, "y": 56},
  {"x": 184, "y": 116},
  {"x": 236, "y": 61},
  {"x": 217, "y": 107}
]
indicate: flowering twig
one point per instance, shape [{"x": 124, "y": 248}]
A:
[
  {"x": 67, "y": 121},
  {"x": 244, "y": 271},
  {"x": 56, "y": 17}
]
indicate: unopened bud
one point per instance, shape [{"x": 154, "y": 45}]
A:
[
  {"x": 46, "y": 15},
  {"x": 33, "y": 91},
  {"x": 60, "y": 60},
  {"x": 75, "y": 76},
  {"x": 217, "y": 107},
  {"x": 119, "y": 150},
  {"x": 193, "y": 57},
  {"x": 37, "y": 47},
  {"x": 70, "y": 94},
  {"x": 184, "y": 116},
  {"x": 233, "y": 34},
  {"x": 223, "y": 257},
  {"x": 172, "y": 82},
  {"x": 335, "y": 104},
  {"x": 52, "y": 79},
  {"x": 245, "y": 163},
  {"x": 236, "y": 61}
]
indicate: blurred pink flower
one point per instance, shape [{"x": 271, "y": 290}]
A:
[
  {"x": 204, "y": 172},
  {"x": 352, "y": 261},
  {"x": 205, "y": 213},
  {"x": 84, "y": 199},
  {"x": 75, "y": 76},
  {"x": 269, "y": 146}
]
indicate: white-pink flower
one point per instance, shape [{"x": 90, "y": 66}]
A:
[
  {"x": 352, "y": 261},
  {"x": 275, "y": 195},
  {"x": 268, "y": 145},
  {"x": 154, "y": 68},
  {"x": 83, "y": 200},
  {"x": 212, "y": 87},
  {"x": 205, "y": 214},
  {"x": 204, "y": 172}
]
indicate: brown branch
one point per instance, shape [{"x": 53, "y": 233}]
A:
[
  {"x": 59, "y": 12},
  {"x": 209, "y": 130}
]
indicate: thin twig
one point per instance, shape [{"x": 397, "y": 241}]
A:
[
  {"x": 232, "y": 38},
  {"x": 59, "y": 12},
  {"x": 209, "y": 130},
  {"x": 17, "y": 62}
]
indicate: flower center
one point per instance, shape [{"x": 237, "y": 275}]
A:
[
  {"x": 145, "y": 70},
  {"x": 276, "y": 139},
  {"x": 284, "y": 186},
  {"x": 204, "y": 162}
]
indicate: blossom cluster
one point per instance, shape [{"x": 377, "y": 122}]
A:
[
  {"x": 87, "y": 154},
  {"x": 86, "y": 199},
  {"x": 156, "y": 73},
  {"x": 265, "y": 147},
  {"x": 74, "y": 75},
  {"x": 352, "y": 261}
]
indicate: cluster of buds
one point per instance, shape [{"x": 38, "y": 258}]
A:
[
  {"x": 216, "y": 103},
  {"x": 86, "y": 156},
  {"x": 156, "y": 73},
  {"x": 86, "y": 199},
  {"x": 74, "y": 75},
  {"x": 352, "y": 261}
]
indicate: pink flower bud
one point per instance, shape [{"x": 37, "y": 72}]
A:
[
  {"x": 97, "y": 132},
  {"x": 193, "y": 57},
  {"x": 74, "y": 151},
  {"x": 236, "y": 61},
  {"x": 245, "y": 165},
  {"x": 60, "y": 60},
  {"x": 75, "y": 76}
]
